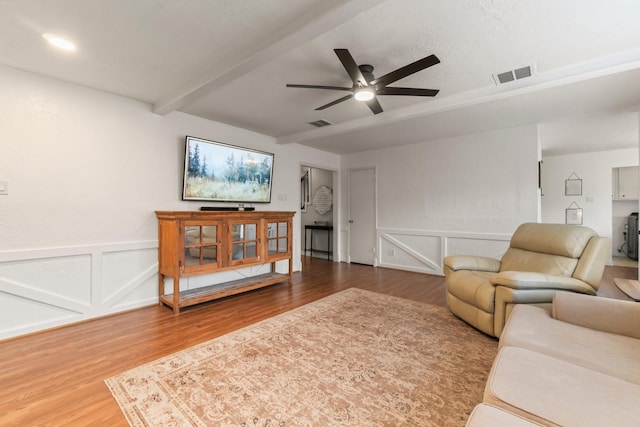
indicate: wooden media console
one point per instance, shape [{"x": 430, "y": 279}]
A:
[{"x": 194, "y": 243}]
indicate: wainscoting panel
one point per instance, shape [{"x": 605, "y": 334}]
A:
[
  {"x": 415, "y": 252},
  {"x": 129, "y": 278},
  {"x": 46, "y": 288},
  {"x": 489, "y": 246},
  {"x": 423, "y": 251}
]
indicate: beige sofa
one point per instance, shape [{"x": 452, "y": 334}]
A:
[
  {"x": 541, "y": 259},
  {"x": 579, "y": 366}
]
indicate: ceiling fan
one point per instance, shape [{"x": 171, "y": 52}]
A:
[{"x": 366, "y": 87}]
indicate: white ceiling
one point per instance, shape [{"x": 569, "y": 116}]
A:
[{"x": 229, "y": 61}]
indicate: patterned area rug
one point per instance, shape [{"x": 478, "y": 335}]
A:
[{"x": 356, "y": 358}]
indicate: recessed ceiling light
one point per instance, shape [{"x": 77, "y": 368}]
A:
[{"x": 59, "y": 42}]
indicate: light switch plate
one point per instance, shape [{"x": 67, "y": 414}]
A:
[{"x": 4, "y": 187}]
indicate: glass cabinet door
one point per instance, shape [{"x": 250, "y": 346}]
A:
[
  {"x": 201, "y": 244},
  {"x": 277, "y": 238},
  {"x": 244, "y": 242}
]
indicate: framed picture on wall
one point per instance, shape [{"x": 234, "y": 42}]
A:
[
  {"x": 573, "y": 214},
  {"x": 573, "y": 185}
]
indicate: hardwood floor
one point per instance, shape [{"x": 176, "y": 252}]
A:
[{"x": 57, "y": 377}]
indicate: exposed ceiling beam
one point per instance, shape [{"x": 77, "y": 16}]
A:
[{"x": 327, "y": 15}]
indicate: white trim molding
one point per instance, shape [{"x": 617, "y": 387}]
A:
[
  {"x": 46, "y": 288},
  {"x": 423, "y": 250}
]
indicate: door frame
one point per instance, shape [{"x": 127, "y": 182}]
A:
[
  {"x": 335, "y": 215},
  {"x": 375, "y": 212}
]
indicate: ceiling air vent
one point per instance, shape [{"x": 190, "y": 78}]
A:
[
  {"x": 511, "y": 75},
  {"x": 320, "y": 123}
]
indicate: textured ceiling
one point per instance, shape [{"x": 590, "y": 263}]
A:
[{"x": 229, "y": 61}]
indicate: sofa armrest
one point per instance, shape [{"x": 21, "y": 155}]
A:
[
  {"x": 602, "y": 314},
  {"x": 531, "y": 280},
  {"x": 468, "y": 262}
]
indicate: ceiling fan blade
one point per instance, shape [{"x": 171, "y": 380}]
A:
[
  {"x": 350, "y": 65},
  {"x": 410, "y": 91},
  {"x": 374, "y": 105},
  {"x": 321, "y": 87},
  {"x": 337, "y": 101},
  {"x": 405, "y": 71}
]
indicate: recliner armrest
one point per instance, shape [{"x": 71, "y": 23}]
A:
[
  {"x": 602, "y": 314},
  {"x": 468, "y": 262},
  {"x": 537, "y": 281}
]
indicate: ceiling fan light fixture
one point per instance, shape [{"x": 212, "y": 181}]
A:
[
  {"x": 59, "y": 42},
  {"x": 363, "y": 94},
  {"x": 366, "y": 88}
]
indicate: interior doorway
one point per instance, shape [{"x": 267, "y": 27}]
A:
[
  {"x": 317, "y": 213},
  {"x": 625, "y": 195},
  {"x": 362, "y": 221}
]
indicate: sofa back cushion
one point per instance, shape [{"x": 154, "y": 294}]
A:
[{"x": 546, "y": 248}]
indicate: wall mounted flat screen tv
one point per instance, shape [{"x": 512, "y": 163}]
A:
[{"x": 217, "y": 172}]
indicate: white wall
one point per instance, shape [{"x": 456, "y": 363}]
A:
[
  {"x": 595, "y": 169},
  {"x": 86, "y": 171},
  {"x": 452, "y": 196}
]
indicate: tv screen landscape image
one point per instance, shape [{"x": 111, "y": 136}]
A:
[{"x": 217, "y": 172}]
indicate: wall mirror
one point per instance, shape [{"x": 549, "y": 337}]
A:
[
  {"x": 305, "y": 188},
  {"x": 323, "y": 199}
]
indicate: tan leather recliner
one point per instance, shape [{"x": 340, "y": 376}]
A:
[{"x": 541, "y": 259}]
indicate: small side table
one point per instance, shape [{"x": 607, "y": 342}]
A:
[
  {"x": 314, "y": 228},
  {"x": 630, "y": 287}
]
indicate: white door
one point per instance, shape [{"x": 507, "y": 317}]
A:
[{"x": 362, "y": 216}]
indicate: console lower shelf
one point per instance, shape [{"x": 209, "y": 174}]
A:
[{"x": 209, "y": 293}]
